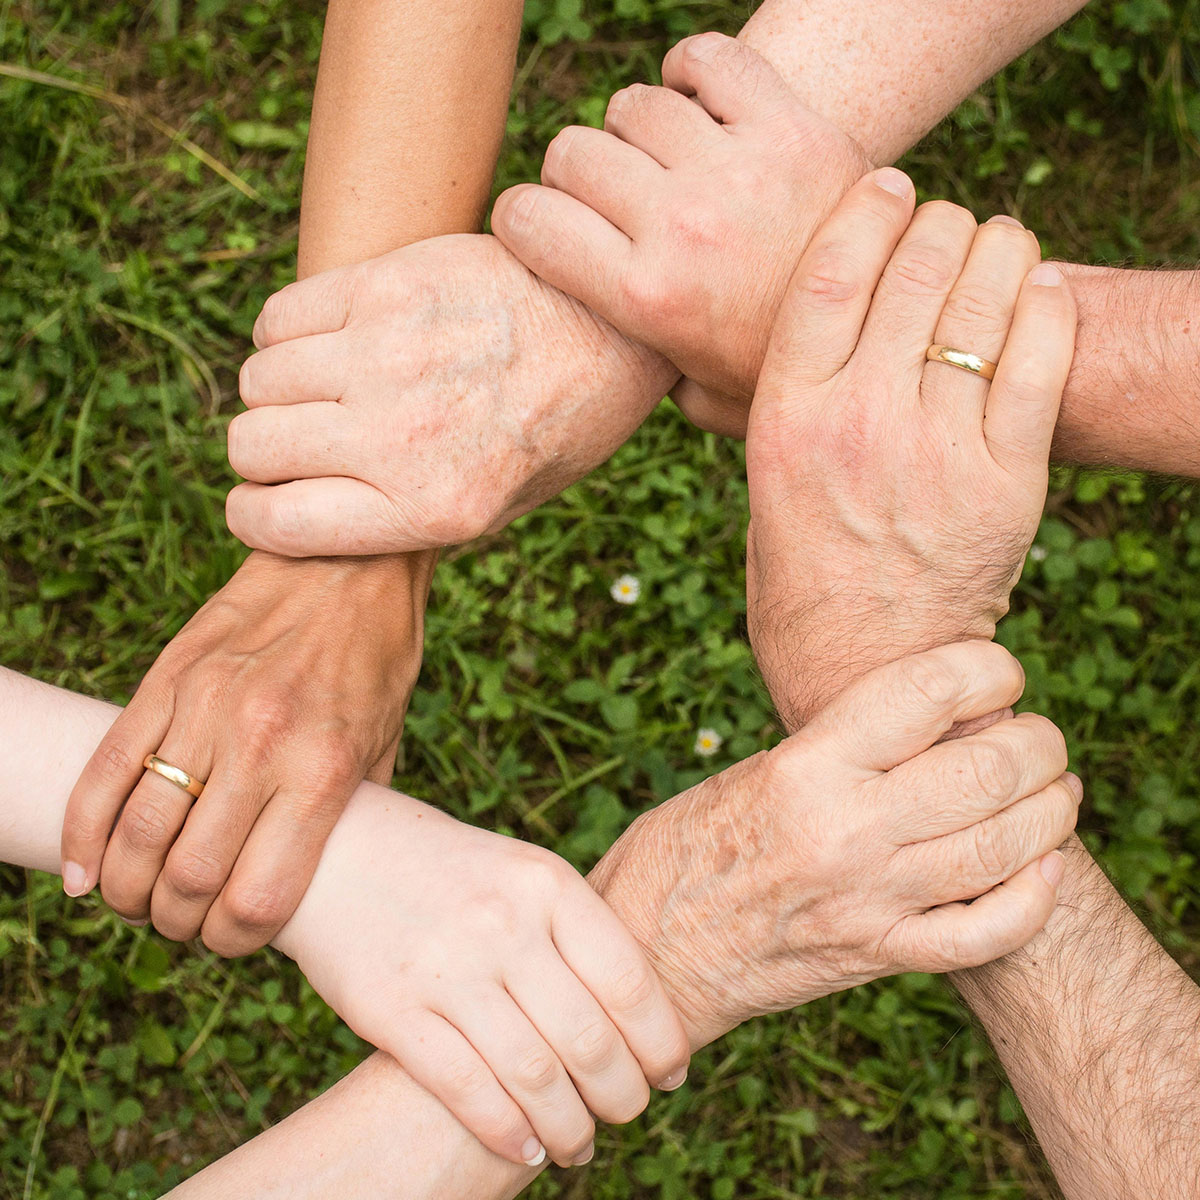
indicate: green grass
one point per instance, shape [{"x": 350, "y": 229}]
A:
[{"x": 132, "y": 271}]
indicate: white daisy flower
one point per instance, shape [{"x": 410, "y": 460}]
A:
[
  {"x": 626, "y": 590},
  {"x": 708, "y": 742}
]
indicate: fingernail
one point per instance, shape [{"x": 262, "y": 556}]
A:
[
  {"x": 1002, "y": 219},
  {"x": 1076, "y": 786},
  {"x": 135, "y": 924},
  {"x": 75, "y": 879},
  {"x": 1053, "y": 867},
  {"x": 1045, "y": 275},
  {"x": 533, "y": 1153},
  {"x": 585, "y": 1157},
  {"x": 894, "y": 181},
  {"x": 673, "y": 1081}
]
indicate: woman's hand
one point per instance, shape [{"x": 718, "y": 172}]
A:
[
  {"x": 282, "y": 693},
  {"x": 491, "y": 972},
  {"x": 848, "y": 852},
  {"x": 682, "y": 221},
  {"x": 892, "y": 499}
]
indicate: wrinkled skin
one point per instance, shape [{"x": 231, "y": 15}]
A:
[
  {"x": 424, "y": 398},
  {"x": 844, "y": 854},
  {"x": 681, "y": 222}
]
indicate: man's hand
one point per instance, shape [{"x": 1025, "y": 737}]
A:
[
  {"x": 893, "y": 500},
  {"x": 282, "y": 693},
  {"x": 847, "y": 852},
  {"x": 424, "y": 398},
  {"x": 491, "y": 972},
  {"x": 683, "y": 220}
]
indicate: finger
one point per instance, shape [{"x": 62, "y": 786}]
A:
[
  {"x": 900, "y": 710},
  {"x": 566, "y": 243},
  {"x": 319, "y": 304},
  {"x": 111, "y": 774},
  {"x": 202, "y": 858},
  {"x": 1022, "y": 406},
  {"x": 958, "y": 783},
  {"x": 607, "y": 960},
  {"x": 821, "y": 318},
  {"x": 710, "y": 411},
  {"x": 613, "y": 179},
  {"x": 445, "y": 1064},
  {"x": 666, "y": 126},
  {"x": 149, "y": 824},
  {"x": 276, "y": 865},
  {"x": 529, "y": 1070},
  {"x": 298, "y": 441},
  {"x": 963, "y": 865},
  {"x": 958, "y": 936},
  {"x": 915, "y": 287},
  {"x": 733, "y": 82},
  {"x": 977, "y": 318},
  {"x": 319, "y": 517},
  {"x": 295, "y": 372},
  {"x": 605, "y": 1073}
]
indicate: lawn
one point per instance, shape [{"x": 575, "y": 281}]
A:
[{"x": 150, "y": 161}]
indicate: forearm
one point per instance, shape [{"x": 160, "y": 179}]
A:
[
  {"x": 1133, "y": 399},
  {"x": 888, "y": 73},
  {"x": 1099, "y": 1031},
  {"x": 407, "y": 121},
  {"x": 376, "y": 1132}
]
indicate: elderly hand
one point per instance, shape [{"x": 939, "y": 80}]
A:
[
  {"x": 424, "y": 398},
  {"x": 893, "y": 500},
  {"x": 847, "y": 853},
  {"x": 282, "y": 692},
  {"x": 681, "y": 222},
  {"x": 491, "y": 972}
]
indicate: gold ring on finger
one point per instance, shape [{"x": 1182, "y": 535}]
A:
[
  {"x": 963, "y": 360},
  {"x": 176, "y": 775}
]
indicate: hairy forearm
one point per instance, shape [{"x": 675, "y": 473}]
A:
[
  {"x": 888, "y": 73},
  {"x": 1133, "y": 399},
  {"x": 1099, "y": 1031}
]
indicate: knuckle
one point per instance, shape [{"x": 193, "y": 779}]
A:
[
  {"x": 991, "y": 850},
  {"x": 978, "y": 303},
  {"x": 194, "y": 874},
  {"x": 631, "y": 986},
  {"x": 537, "y": 1071},
  {"x": 693, "y": 228},
  {"x": 702, "y": 47},
  {"x": 595, "y": 1046},
  {"x": 930, "y": 681},
  {"x": 993, "y": 771},
  {"x": 144, "y": 827},
  {"x": 829, "y": 280},
  {"x": 466, "y": 1078},
  {"x": 115, "y": 760},
  {"x": 270, "y": 318},
  {"x": 923, "y": 270},
  {"x": 237, "y": 446},
  {"x": 248, "y": 381},
  {"x": 628, "y": 1106},
  {"x": 256, "y": 907},
  {"x": 265, "y": 716},
  {"x": 559, "y": 152}
]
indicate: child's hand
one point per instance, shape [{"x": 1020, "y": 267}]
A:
[
  {"x": 845, "y": 854},
  {"x": 893, "y": 499},
  {"x": 681, "y": 222},
  {"x": 490, "y": 971}
]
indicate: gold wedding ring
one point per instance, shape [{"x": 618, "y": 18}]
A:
[
  {"x": 983, "y": 367},
  {"x": 175, "y": 775}
]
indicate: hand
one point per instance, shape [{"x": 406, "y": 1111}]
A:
[
  {"x": 283, "y": 692},
  {"x": 892, "y": 500},
  {"x": 491, "y": 972},
  {"x": 847, "y": 852},
  {"x": 682, "y": 222},
  {"x": 425, "y": 398}
]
